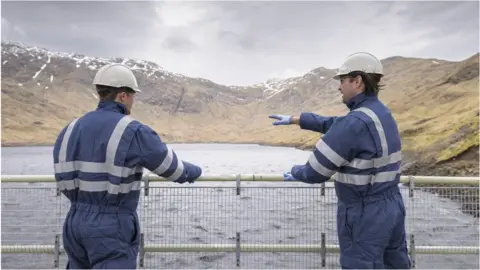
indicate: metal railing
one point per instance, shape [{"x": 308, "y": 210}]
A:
[{"x": 289, "y": 218}]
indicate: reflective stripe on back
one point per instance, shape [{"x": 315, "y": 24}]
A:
[
  {"x": 62, "y": 155},
  {"x": 356, "y": 179},
  {"x": 94, "y": 167},
  {"x": 365, "y": 164},
  {"x": 98, "y": 186},
  {"x": 97, "y": 167},
  {"x": 378, "y": 127}
]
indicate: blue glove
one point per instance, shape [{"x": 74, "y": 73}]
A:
[
  {"x": 288, "y": 177},
  {"x": 193, "y": 173},
  {"x": 283, "y": 119}
]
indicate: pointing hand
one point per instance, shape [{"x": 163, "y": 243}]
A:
[{"x": 282, "y": 119}]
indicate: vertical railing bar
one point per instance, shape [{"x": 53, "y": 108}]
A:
[
  {"x": 238, "y": 183},
  {"x": 411, "y": 185},
  {"x": 146, "y": 184},
  {"x": 237, "y": 246},
  {"x": 322, "y": 191},
  {"x": 142, "y": 250},
  {"x": 56, "y": 261},
  {"x": 143, "y": 215},
  {"x": 412, "y": 250},
  {"x": 56, "y": 251},
  {"x": 237, "y": 250},
  {"x": 411, "y": 189},
  {"x": 323, "y": 250}
]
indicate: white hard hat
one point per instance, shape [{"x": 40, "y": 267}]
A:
[
  {"x": 360, "y": 61},
  {"x": 116, "y": 75}
]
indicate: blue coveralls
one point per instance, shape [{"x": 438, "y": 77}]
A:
[
  {"x": 98, "y": 162},
  {"x": 362, "y": 151}
]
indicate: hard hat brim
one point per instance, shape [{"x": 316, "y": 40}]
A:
[{"x": 337, "y": 76}]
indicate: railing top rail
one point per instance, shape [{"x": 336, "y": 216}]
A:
[{"x": 417, "y": 179}]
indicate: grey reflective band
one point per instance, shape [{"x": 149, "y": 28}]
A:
[
  {"x": 97, "y": 167},
  {"x": 318, "y": 167},
  {"x": 113, "y": 143},
  {"x": 378, "y": 127},
  {"x": 62, "y": 155},
  {"x": 362, "y": 164},
  {"x": 178, "y": 171},
  {"x": 330, "y": 154},
  {"x": 167, "y": 162},
  {"x": 98, "y": 186},
  {"x": 356, "y": 179}
]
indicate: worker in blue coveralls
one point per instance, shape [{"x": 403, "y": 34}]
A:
[
  {"x": 361, "y": 151},
  {"x": 98, "y": 162}
]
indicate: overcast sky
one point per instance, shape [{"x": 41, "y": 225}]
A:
[{"x": 239, "y": 43}]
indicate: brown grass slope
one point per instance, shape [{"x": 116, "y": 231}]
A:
[{"x": 434, "y": 101}]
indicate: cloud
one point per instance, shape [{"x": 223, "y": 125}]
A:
[
  {"x": 102, "y": 28},
  {"x": 247, "y": 42}
]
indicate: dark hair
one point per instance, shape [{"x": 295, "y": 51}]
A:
[
  {"x": 371, "y": 81},
  {"x": 109, "y": 93}
]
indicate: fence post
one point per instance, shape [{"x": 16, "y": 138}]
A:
[
  {"x": 56, "y": 251},
  {"x": 238, "y": 178},
  {"x": 411, "y": 186},
  {"x": 237, "y": 246},
  {"x": 237, "y": 249},
  {"x": 412, "y": 250},
  {"x": 322, "y": 191},
  {"x": 411, "y": 189},
  {"x": 323, "y": 250},
  {"x": 146, "y": 184},
  {"x": 142, "y": 250}
]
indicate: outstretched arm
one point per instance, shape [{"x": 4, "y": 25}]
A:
[
  {"x": 335, "y": 149},
  {"x": 307, "y": 121},
  {"x": 315, "y": 122},
  {"x": 159, "y": 158}
]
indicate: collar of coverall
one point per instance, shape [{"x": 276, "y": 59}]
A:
[
  {"x": 112, "y": 106},
  {"x": 355, "y": 102}
]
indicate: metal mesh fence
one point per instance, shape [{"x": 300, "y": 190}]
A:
[
  {"x": 206, "y": 213},
  {"x": 31, "y": 215},
  {"x": 297, "y": 215},
  {"x": 445, "y": 216},
  {"x": 201, "y": 214}
]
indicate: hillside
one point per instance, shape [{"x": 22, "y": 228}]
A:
[{"x": 434, "y": 101}]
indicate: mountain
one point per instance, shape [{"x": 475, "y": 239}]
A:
[{"x": 435, "y": 102}]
